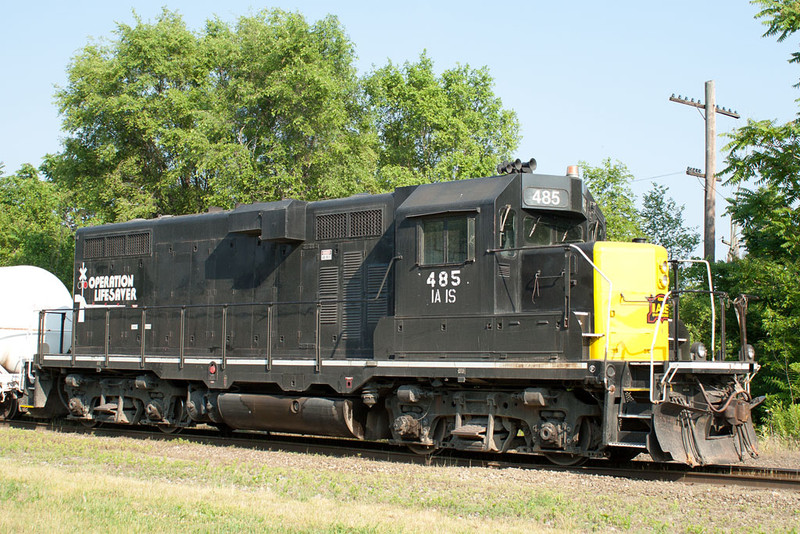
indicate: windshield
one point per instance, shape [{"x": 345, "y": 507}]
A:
[{"x": 542, "y": 231}]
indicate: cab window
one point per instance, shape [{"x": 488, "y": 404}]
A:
[
  {"x": 569, "y": 233},
  {"x": 507, "y": 222},
  {"x": 537, "y": 232},
  {"x": 448, "y": 240},
  {"x": 508, "y": 236},
  {"x": 540, "y": 232}
]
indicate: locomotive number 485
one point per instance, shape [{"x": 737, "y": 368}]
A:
[{"x": 448, "y": 280}]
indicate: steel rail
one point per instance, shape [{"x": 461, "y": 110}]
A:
[{"x": 767, "y": 477}]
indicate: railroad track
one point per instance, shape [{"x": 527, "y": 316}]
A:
[{"x": 738, "y": 475}]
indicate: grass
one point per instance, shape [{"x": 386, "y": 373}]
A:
[
  {"x": 773, "y": 444},
  {"x": 52, "y": 481}
]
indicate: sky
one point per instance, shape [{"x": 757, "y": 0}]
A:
[{"x": 588, "y": 80}]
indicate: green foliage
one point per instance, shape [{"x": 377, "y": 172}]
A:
[
  {"x": 783, "y": 420},
  {"x": 767, "y": 155},
  {"x": 34, "y": 224},
  {"x": 610, "y": 186},
  {"x": 662, "y": 222},
  {"x": 434, "y": 128},
  {"x": 163, "y": 120},
  {"x": 782, "y": 18},
  {"x": 774, "y": 321}
]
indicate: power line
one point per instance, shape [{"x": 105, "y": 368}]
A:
[{"x": 659, "y": 176}]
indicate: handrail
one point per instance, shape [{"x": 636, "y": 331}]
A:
[
  {"x": 610, "y": 293},
  {"x": 711, "y": 298},
  {"x": 653, "y": 345},
  {"x": 183, "y": 321},
  {"x": 385, "y": 276},
  {"x": 217, "y": 305}
]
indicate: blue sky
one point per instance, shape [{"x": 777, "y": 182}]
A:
[{"x": 588, "y": 79}]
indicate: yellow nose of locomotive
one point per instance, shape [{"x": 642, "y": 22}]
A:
[{"x": 626, "y": 310}]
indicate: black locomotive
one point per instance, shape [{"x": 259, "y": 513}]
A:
[{"x": 485, "y": 314}]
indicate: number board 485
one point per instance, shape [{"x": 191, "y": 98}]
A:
[{"x": 546, "y": 197}]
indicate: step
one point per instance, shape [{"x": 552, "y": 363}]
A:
[
  {"x": 109, "y": 407},
  {"x": 469, "y": 432},
  {"x": 631, "y": 438},
  {"x": 627, "y": 445},
  {"x": 636, "y": 410}
]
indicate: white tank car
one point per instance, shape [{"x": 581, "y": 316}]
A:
[{"x": 25, "y": 291}]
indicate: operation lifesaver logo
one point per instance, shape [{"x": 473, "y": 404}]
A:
[{"x": 114, "y": 288}]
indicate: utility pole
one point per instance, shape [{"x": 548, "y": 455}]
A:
[{"x": 711, "y": 109}]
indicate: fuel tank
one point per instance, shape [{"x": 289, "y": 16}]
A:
[
  {"x": 24, "y": 291},
  {"x": 302, "y": 415}
]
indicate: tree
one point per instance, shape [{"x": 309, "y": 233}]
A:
[
  {"x": 662, "y": 223},
  {"x": 163, "y": 120},
  {"x": 435, "y": 128},
  {"x": 764, "y": 160},
  {"x": 34, "y": 224},
  {"x": 610, "y": 186},
  {"x": 767, "y": 155}
]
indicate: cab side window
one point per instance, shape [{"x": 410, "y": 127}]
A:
[
  {"x": 508, "y": 237},
  {"x": 446, "y": 240},
  {"x": 507, "y": 222}
]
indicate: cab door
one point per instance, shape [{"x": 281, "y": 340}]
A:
[{"x": 442, "y": 277}]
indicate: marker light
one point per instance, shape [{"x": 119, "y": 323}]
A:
[
  {"x": 749, "y": 354},
  {"x": 698, "y": 351}
]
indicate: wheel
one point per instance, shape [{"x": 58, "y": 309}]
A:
[
  {"x": 8, "y": 408},
  {"x": 422, "y": 450},
  {"x": 565, "y": 459},
  {"x": 89, "y": 423},
  {"x": 180, "y": 415},
  {"x": 436, "y": 435}
]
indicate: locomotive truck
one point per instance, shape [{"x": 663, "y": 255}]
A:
[{"x": 486, "y": 314}]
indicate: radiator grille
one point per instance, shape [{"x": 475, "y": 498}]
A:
[
  {"x": 94, "y": 247},
  {"x": 115, "y": 245},
  {"x": 367, "y": 223},
  {"x": 137, "y": 244},
  {"x": 331, "y": 226}
]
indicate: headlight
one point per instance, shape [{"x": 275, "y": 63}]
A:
[
  {"x": 663, "y": 281},
  {"x": 698, "y": 351},
  {"x": 748, "y": 355},
  {"x": 664, "y": 267}
]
